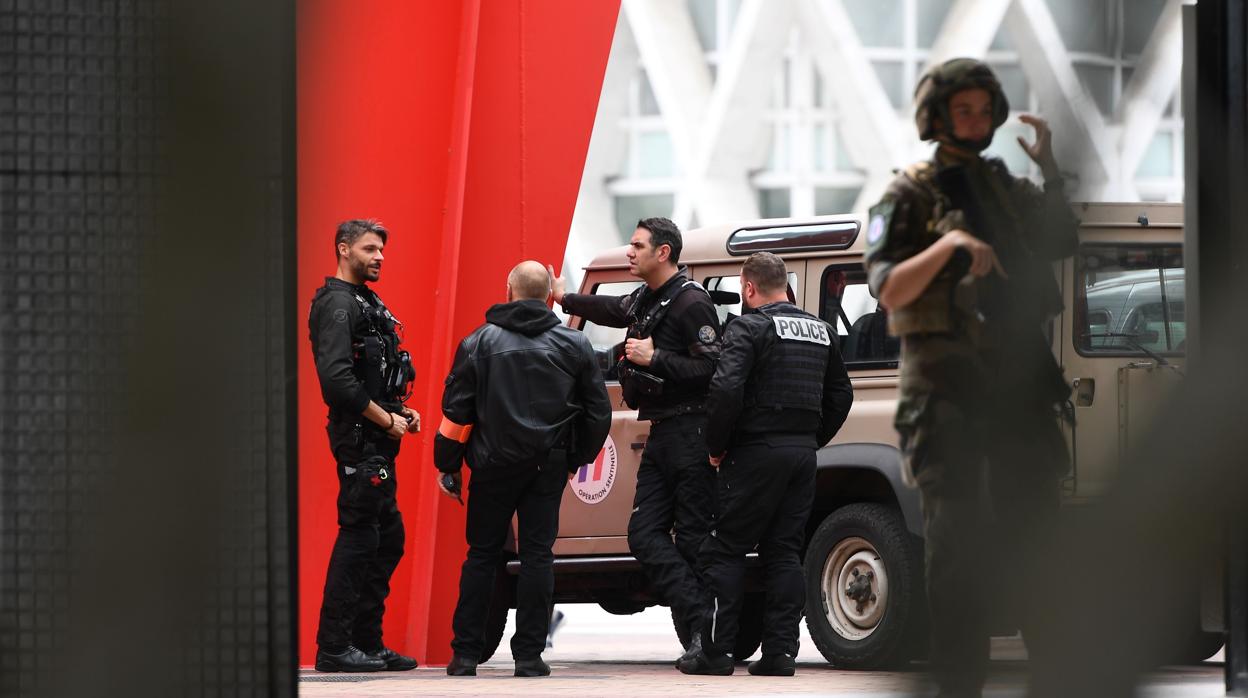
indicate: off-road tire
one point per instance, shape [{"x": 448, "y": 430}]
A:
[{"x": 886, "y": 629}]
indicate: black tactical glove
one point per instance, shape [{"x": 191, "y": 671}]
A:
[{"x": 452, "y": 485}]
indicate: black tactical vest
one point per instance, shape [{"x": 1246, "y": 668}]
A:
[
  {"x": 790, "y": 375},
  {"x": 385, "y": 370}
]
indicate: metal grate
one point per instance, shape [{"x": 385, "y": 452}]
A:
[{"x": 122, "y": 538}]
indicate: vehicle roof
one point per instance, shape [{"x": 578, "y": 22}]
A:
[{"x": 709, "y": 244}]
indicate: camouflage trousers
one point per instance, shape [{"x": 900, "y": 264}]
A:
[{"x": 988, "y": 463}]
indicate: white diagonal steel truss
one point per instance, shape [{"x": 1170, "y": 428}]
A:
[{"x": 718, "y": 123}]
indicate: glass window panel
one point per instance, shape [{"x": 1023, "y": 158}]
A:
[
  {"x": 1131, "y": 299},
  {"x": 931, "y": 14},
  {"x": 732, "y": 284},
  {"x": 781, "y": 146},
  {"x": 829, "y": 200},
  {"x": 843, "y": 162},
  {"x": 820, "y": 93},
  {"x": 774, "y": 203},
  {"x": 879, "y": 22},
  {"x": 730, "y": 10},
  {"x": 1083, "y": 24},
  {"x": 819, "y": 137},
  {"x": 1005, "y": 146},
  {"x": 1002, "y": 41},
  {"x": 861, "y": 323},
  {"x": 1158, "y": 160},
  {"x": 1014, "y": 82},
  {"x": 649, "y": 103},
  {"x": 1099, "y": 82},
  {"x": 703, "y": 14},
  {"x": 890, "y": 75},
  {"x": 786, "y": 83},
  {"x": 656, "y": 158},
  {"x": 630, "y": 209},
  {"x": 1139, "y": 18}
]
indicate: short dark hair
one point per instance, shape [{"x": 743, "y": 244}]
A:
[
  {"x": 766, "y": 271},
  {"x": 352, "y": 230},
  {"x": 663, "y": 232}
]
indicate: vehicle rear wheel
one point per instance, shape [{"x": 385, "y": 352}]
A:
[{"x": 864, "y": 588}]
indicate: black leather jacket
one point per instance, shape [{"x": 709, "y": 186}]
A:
[{"x": 528, "y": 386}]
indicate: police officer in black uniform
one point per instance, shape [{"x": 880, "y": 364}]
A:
[
  {"x": 665, "y": 367},
  {"x": 779, "y": 393},
  {"x": 364, "y": 377}
]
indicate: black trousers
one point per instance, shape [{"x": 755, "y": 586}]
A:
[
  {"x": 675, "y": 490},
  {"x": 369, "y": 543},
  {"x": 533, "y": 495},
  {"x": 765, "y": 496}
]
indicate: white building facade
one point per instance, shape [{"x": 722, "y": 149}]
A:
[{"x": 718, "y": 110}]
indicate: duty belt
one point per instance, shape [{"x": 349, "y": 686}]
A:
[{"x": 679, "y": 411}]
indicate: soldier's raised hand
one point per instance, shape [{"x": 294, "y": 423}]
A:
[{"x": 1041, "y": 152}]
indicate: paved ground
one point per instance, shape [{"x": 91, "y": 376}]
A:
[{"x": 603, "y": 655}]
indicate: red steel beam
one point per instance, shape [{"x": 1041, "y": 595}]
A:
[{"x": 463, "y": 125}]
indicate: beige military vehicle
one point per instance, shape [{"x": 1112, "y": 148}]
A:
[{"x": 1121, "y": 341}]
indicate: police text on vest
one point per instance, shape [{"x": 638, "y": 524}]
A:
[{"x": 802, "y": 329}]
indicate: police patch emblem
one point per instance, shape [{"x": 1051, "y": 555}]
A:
[
  {"x": 706, "y": 334},
  {"x": 340, "y": 315},
  {"x": 876, "y": 229}
]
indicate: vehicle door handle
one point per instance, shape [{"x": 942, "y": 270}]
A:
[
  {"x": 1085, "y": 391},
  {"x": 637, "y": 445}
]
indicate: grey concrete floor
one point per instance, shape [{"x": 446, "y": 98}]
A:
[{"x": 597, "y": 654}]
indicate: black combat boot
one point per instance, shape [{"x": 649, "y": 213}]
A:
[
  {"x": 773, "y": 665},
  {"x": 394, "y": 661},
  {"x": 532, "y": 667},
  {"x": 708, "y": 665},
  {"x": 461, "y": 666},
  {"x": 695, "y": 646},
  {"x": 350, "y": 659}
]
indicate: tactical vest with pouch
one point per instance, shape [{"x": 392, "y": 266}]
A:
[{"x": 790, "y": 376}]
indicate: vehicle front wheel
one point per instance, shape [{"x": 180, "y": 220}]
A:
[{"x": 864, "y": 576}]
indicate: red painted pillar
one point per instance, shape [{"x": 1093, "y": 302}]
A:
[{"x": 463, "y": 126}]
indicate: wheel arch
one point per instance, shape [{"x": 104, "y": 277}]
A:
[{"x": 863, "y": 472}]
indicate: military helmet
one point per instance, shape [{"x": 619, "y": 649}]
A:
[{"x": 931, "y": 95}]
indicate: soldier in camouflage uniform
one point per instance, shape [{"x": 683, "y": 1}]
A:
[{"x": 961, "y": 254}]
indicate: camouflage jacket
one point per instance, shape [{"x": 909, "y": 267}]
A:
[{"x": 1028, "y": 227}]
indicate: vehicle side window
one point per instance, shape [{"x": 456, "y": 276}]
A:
[
  {"x": 604, "y": 339},
  {"x": 1130, "y": 300},
  {"x": 732, "y": 284},
  {"x": 861, "y": 322}
]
